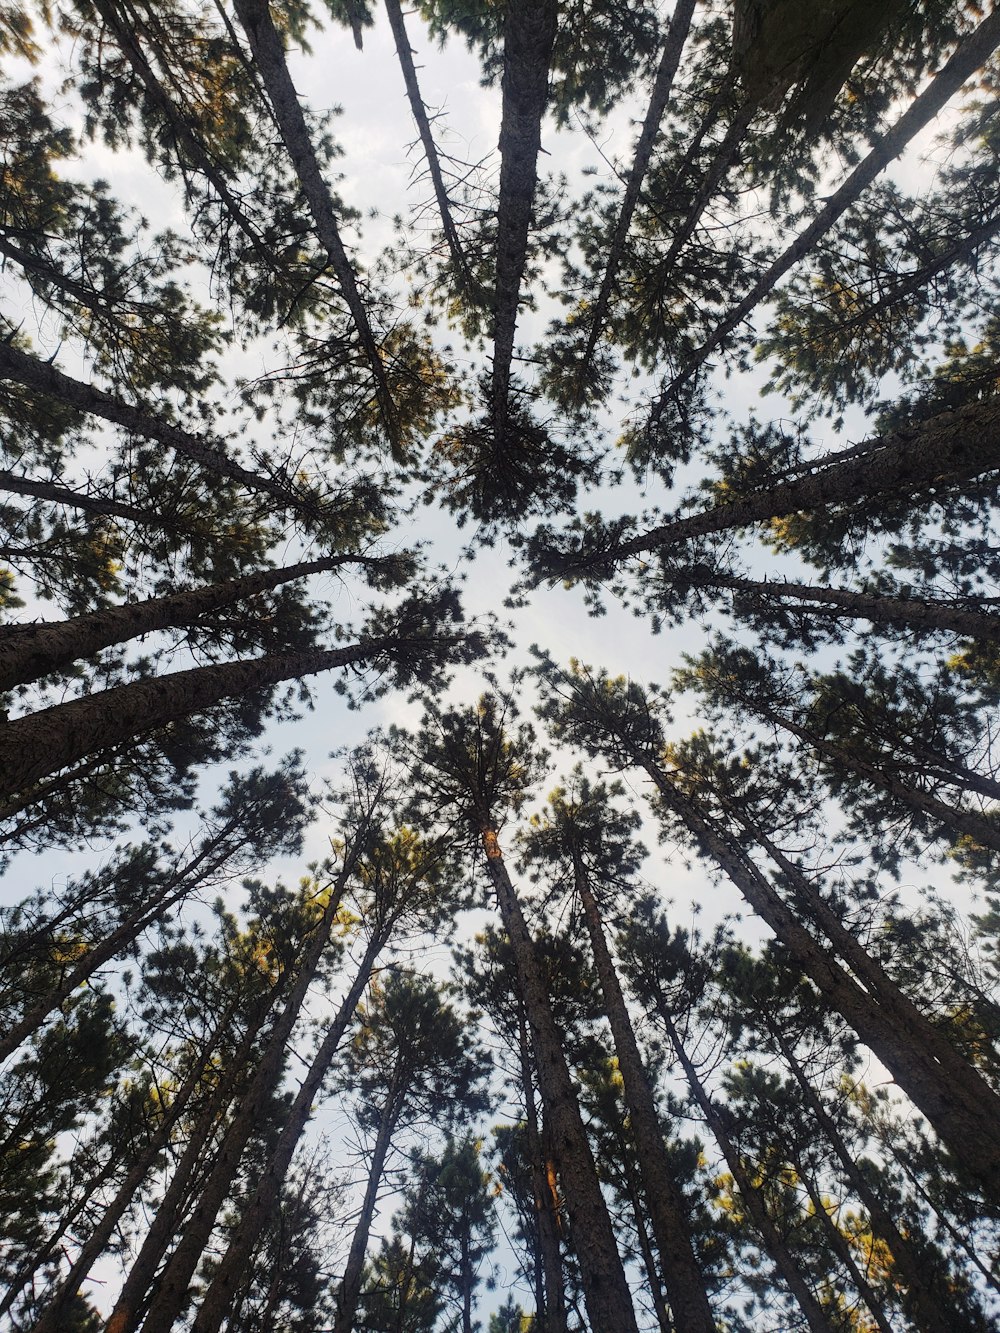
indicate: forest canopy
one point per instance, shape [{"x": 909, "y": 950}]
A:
[{"x": 583, "y": 419}]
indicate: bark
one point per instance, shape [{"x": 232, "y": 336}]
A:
[
  {"x": 774, "y": 1243},
  {"x": 171, "y": 1294},
  {"x": 904, "y": 612},
  {"x": 350, "y": 1287},
  {"x": 680, "y": 24},
  {"x": 967, "y": 1126},
  {"x": 529, "y": 35},
  {"x": 88, "y": 504},
  {"x": 268, "y": 52},
  {"x": 950, "y": 448},
  {"x": 971, "y": 53},
  {"x": 919, "y": 1299},
  {"x": 22, "y": 368},
  {"x": 165, "y": 1224},
  {"x": 260, "y": 1206},
  {"x": 33, "y": 747},
  {"x": 30, "y": 651},
  {"x": 606, "y": 1293},
  {"x": 180, "y": 885},
  {"x": 550, "y": 1301},
  {"x": 667, "y": 1209},
  {"x": 468, "y": 286},
  {"x": 50, "y": 1320}
]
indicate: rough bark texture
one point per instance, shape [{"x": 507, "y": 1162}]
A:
[
  {"x": 970, "y": 55},
  {"x": 668, "y": 1213},
  {"x": 269, "y": 54},
  {"x": 33, "y": 747},
  {"x": 30, "y": 651},
  {"x": 529, "y": 34},
  {"x": 606, "y": 1293}
]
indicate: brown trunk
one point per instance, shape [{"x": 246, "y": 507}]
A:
[
  {"x": 775, "y": 1245},
  {"x": 667, "y": 1209},
  {"x": 171, "y": 1293},
  {"x": 88, "y": 504},
  {"x": 30, "y": 651},
  {"x": 33, "y": 747},
  {"x": 550, "y": 1301},
  {"x": 269, "y": 54},
  {"x": 606, "y": 1293},
  {"x": 971, "y": 54},
  {"x": 680, "y": 24},
  {"x": 529, "y": 34},
  {"x": 33, "y": 373},
  {"x": 259, "y": 1208},
  {"x": 969, "y": 1129}
]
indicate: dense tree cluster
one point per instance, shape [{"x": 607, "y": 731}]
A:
[{"x": 475, "y": 1070}]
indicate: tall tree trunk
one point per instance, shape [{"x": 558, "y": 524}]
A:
[
  {"x": 550, "y": 1299},
  {"x": 774, "y": 1243},
  {"x": 350, "y": 1286},
  {"x": 254, "y": 1215},
  {"x": 667, "y": 1209},
  {"x": 920, "y": 1300},
  {"x": 171, "y": 1293},
  {"x": 33, "y": 747},
  {"x": 677, "y": 33},
  {"x": 269, "y": 54},
  {"x": 969, "y": 1128},
  {"x": 467, "y": 285},
  {"x": 30, "y": 651},
  {"x": 23, "y": 368},
  {"x": 87, "y": 504},
  {"x": 970, "y": 55},
  {"x": 606, "y": 1293},
  {"x": 529, "y": 35}
]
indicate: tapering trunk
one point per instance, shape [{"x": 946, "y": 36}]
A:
[
  {"x": 260, "y": 1206},
  {"x": 180, "y": 885},
  {"x": 606, "y": 1293},
  {"x": 87, "y": 504},
  {"x": 667, "y": 1209},
  {"x": 467, "y": 285},
  {"x": 677, "y": 33},
  {"x": 971, "y": 54},
  {"x": 269, "y": 55},
  {"x": 529, "y": 35},
  {"x": 350, "y": 1286},
  {"x": 948, "y": 449},
  {"x": 23, "y": 368},
  {"x": 969, "y": 1128},
  {"x": 904, "y": 612},
  {"x": 920, "y": 1301},
  {"x": 774, "y": 1244},
  {"x": 172, "y": 1289},
  {"x": 51, "y": 1318},
  {"x": 30, "y": 651},
  {"x": 550, "y": 1299},
  {"x": 33, "y": 747}
]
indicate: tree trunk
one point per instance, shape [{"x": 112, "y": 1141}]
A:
[
  {"x": 529, "y": 34},
  {"x": 606, "y": 1293},
  {"x": 33, "y": 650},
  {"x": 88, "y": 504},
  {"x": 968, "y": 1128},
  {"x": 751, "y": 1196},
  {"x": 169, "y": 1299},
  {"x": 350, "y": 1287},
  {"x": 33, "y": 373},
  {"x": 218, "y": 1299},
  {"x": 970, "y": 55},
  {"x": 269, "y": 54},
  {"x": 33, "y": 747},
  {"x": 550, "y": 1300},
  {"x": 680, "y": 24},
  {"x": 667, "y": 1208}
]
